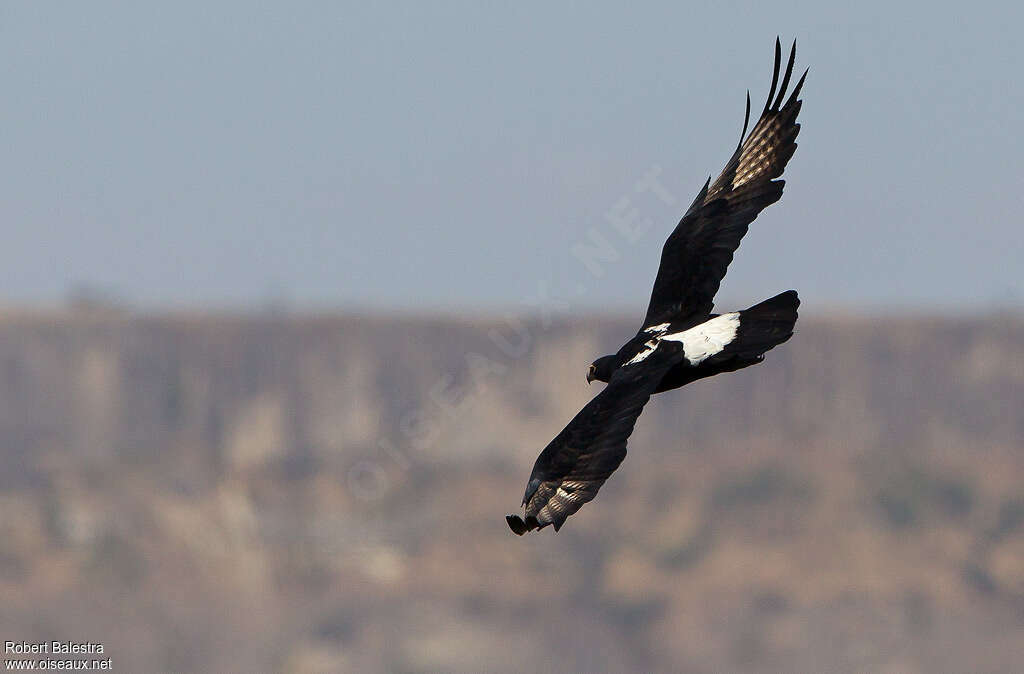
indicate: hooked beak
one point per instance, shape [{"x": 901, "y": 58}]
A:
[{"x": 590, "y": 373}]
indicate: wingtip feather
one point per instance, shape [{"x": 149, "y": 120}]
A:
[
  {"x": 775, "y": 75},
  {"x": 519, "y": 526},
  {"x": 798, "y": 87},
  {"x": 786, "y": 78},
  {"x": 746, "y": 121},
  {"x": 516, "y": 524}
]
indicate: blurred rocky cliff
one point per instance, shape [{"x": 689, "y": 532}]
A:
[{"x": 327, "y": 493}]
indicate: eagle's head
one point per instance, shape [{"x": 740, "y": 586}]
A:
[{"x": 601, "y": 369}]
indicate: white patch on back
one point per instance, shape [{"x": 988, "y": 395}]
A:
[
  {"x": 656, "y": 331},
  {"x": 705, "y": 340},
  {"x": 649, "y": 348}
]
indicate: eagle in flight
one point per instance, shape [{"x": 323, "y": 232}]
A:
[{"x": 681, "y": 341}]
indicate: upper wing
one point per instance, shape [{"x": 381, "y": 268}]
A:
[
  {"x": 699, "y": 250},
  {"x": 574, "y": 465}
]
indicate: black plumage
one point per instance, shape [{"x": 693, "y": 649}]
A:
[
  {"x": 576, "y": 463},
  {"x": 681, "y": 341},
  {"x": 699, "y": 250}
]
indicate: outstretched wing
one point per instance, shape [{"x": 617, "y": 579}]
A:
[
  {"x": 699, "y": 250},
  {"x": 574, "y": 465}
]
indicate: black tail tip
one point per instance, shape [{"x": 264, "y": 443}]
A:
[
  {"x": 519, "y": 527},
  {"x": 789, "y": 300},
  {"x": 790, "y": 296}
]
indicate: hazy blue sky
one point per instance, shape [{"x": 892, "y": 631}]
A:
[{"x": 450, "y": 155}]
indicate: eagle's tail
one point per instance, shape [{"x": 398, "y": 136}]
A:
[{"x": 763, "y": 327}]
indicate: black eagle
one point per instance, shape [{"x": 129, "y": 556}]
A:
[{"x": 681, "y": 341}]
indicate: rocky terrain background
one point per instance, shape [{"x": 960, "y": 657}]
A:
[{"x": 327, "y": 493}]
